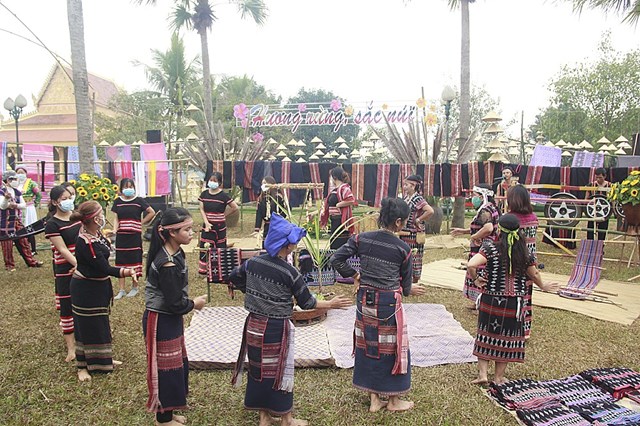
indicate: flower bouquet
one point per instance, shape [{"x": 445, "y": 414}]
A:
[
  {"x": 627, "y": 194},
  {"x": 92, "y": 187}
]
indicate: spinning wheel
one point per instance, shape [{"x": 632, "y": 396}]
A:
[
  {"x": 617, "y": 210},
  {"x": 599, "y": 207},
  {"x": 562, "y": 209}
]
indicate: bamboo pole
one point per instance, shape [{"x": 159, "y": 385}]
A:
[{"x": 547, "y": 253}]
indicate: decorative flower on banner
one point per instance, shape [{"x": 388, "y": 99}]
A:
[
  {"x": 257, "y": 137},
  {"x": 385, "y": 107},
  {"x": 348, "y": 111},
  {"x": 240, "y": 111},
  {"x": 421, "y": 103},
  {"x": 335, "y": 105},
  {"x": 302, "y": 107},
  {"x": 432, "y": 107},
  {"x": 431, "y": 119}
]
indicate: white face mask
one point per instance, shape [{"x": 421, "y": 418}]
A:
[
  {"x": 66, "y": 205},
  {"x": 22, "y": 178},
  {"x": 264, "y": 187},
  {"x": 213, "y": 185},
  {"x": 101, "y": 221},
  {"x": 14, "y": 184}
]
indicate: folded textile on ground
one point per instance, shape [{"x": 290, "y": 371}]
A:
[
  {"x": 558, "y": 415},
  {"x": 617, "y": 381},
  {"x": 523, "y": 394},
  {"x": 608, "y": 413},
  {"x": 576, "y": 390}
]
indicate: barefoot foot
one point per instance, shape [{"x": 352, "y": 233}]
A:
[
  {"x": 170, "y": 423},
  {"x": 480, "y": 381},
  {"x": 377, "y": 406},
  {"x": 500, "y": 380},
  {"x": 295, "y": 422},
  {"x": 399, "y": 405},
  {"x": 84, "y": 376},
  {"x": 179, "y": 419},
  {"x": 71, "y": 355}
]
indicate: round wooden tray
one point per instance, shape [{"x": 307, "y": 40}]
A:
[{"x": 311, "y": 316}]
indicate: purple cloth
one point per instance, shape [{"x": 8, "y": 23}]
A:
[{"x": 548, "y": 156}]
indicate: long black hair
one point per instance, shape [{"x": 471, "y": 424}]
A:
[
  {"x": 338, "y": 173},
  {"x": 169, "y": 217},
  {"x": 124, "y": 183},
  {"x": 520, "y": 255},
  {"x": 392, "y": 209}
]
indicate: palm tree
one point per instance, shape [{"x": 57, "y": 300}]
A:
[
  {"x": 465, "y": 149},
  {"x": 174, "y": 78},
  {"x": 198, "y": 15},
  {"x": 630, "y": 8},
  {"x": 80, "y": 84}
]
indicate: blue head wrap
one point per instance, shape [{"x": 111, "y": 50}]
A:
[{"x": 281, "y": 233}]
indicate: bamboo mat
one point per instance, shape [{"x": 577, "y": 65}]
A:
[{"x": 444, "y": 274}]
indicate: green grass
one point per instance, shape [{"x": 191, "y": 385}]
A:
[{"x": 32, "y": 353}]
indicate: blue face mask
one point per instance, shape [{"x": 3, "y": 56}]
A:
[
  {"x": 129, "y": 192},
  {"x": 66, "y": 205},
  {"x": 213, "y": 185}
]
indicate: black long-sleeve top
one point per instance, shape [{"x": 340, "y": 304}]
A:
[
  {"x": 92, "y": 254},
  {"x": 385, "y": 260},
  {"x": 268, "y": 283},
  {"x": 276, "y": 205}
]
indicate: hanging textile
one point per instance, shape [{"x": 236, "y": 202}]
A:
[
  {"x": 370, "y": 183},
  {"x": 157, "y": 168},
  {"x": 3, "y": 156},
  {"x": 394, "y": 178},
  {"x": 588, "y": 159},
  {"x": 549, "y": 156},
  {"x": 140, "y": 178},
  {"x": 382, "y": 187},
  {"x": 32, "y": 156},
  {"x": 314, "y": 171},
  {"x": 122, "y": 167}
]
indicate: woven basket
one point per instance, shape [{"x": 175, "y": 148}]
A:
[{"x": 308, "y": 317}]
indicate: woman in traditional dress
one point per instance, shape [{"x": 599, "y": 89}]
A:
[
  {"x": 602, "y": 184},
  {"x": 271, "y": 201},
  {"x": 91, "y": 292},
  {"x": 166, "y": 302},
  {"x": 508, "y": 265},
  {"x": 129, "y": 210},
  {"x": 519, "y": 204},
  {"x": 484, "y": 226},
  {"x": 32, "y": 196},
  {"x": 337, "y": 209},
  {"x": 419, "y": 211},
  {"x": 269, "y": 283},
  {"x": 215, "y": 206},
  {"x": 63, "y": 233},
  {"x": 382, "y": 359}
]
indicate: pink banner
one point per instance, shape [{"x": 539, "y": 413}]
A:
[{"x": 157, "y": 167}]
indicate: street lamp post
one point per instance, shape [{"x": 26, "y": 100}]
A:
[
  {"x": 15, "y": 110},
  {"x": 448, "y": 95}
]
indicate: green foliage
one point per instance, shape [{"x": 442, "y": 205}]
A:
[
  {"x": 594, "y": 99},
  {"x": 627, "y": 191}
]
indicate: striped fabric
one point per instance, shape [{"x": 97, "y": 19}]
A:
[
  {"x": 586, "y": 270},
  {"x": 129, "y": 226},
  {"x": 314, "y": 169}
]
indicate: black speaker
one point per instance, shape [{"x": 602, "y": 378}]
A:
[
  {"x": 636, "y": 144},
  {"x": 158, "y": 203},
  {"x": 154, "y": 136}
]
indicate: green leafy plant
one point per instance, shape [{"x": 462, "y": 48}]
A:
[
  {"x": 92, "y": 187},
  {"x": 627, "y": 191}
]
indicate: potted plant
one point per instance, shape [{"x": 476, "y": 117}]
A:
[{"x": 627, "y": 194}]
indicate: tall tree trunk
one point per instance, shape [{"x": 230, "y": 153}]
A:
[
  {"x": 464, "y": 149},
  {"x": 206, "y": 98},
  {"x": 80, "y": 85}
]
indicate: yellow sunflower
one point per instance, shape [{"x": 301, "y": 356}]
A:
[
  {"x": 635, "y": 182},
  {"x": 95, "y": 181},
  {"x": 72, "y": 182},
  {"x": 95, "y": 195},
  {"x": 82, "y": 192},
  {"x": 624, "y": 190},
  {"x": 84, "y": 177},
  {"x": 635, "y": 172},
  {"x": 104, "y": 190},
  {"x": 91, "y": 187},
  {"x": 106, "y": 180},
  {"x": 634, "y": 192},
  {"x": 106, "y": 197},
  {"x": 114, "y": 187}
]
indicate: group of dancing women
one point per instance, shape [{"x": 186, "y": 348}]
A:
[{"x": 500, "y": 273}]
